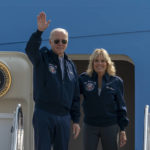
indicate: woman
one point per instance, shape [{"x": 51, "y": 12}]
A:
[{"x": 104, "y": 106}]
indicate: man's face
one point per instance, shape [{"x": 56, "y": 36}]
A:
[{"x": 59, "y": 42}]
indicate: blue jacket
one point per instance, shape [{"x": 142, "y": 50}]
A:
[
  {"x": 105, "y": 109},
  {"x": 51, "y": 92}
]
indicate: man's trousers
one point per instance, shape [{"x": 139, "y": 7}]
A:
[{"x": 50, "y": 130}]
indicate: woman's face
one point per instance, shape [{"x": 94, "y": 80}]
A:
[{"x": 100, "y": 65}]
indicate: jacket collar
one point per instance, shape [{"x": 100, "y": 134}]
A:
[
  {"x": 106, "y": 76},
  {"x": 55, "y": 56}
]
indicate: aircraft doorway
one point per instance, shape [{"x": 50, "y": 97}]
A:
[{"x": 125, "y": 69}]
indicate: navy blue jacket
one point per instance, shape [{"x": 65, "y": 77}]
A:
[
  {"x": 105, "y": 109},
  {"x": 51, "y": 92}
]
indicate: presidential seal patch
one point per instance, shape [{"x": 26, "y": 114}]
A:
[
  {"x": 89, "y": 86},
  {"x": 52, "y": 68},
  {"x": 5, "y": 79}
]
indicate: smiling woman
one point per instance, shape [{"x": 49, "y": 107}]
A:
[
  {"x": 5, "y": 79},
  {"x": 104, "y": 106}
]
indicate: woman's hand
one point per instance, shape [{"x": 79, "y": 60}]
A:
[{"x": 122, "y": 138}]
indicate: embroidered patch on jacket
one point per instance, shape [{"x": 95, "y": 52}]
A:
[
  {"x": 108, "y": 87},
  {"x": 89, "y": 86},
  {"x": 52, "y": 68}
]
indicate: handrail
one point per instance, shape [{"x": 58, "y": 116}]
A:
[
  {"x": 17, "y": 130},
  {"x": 146, "y": 116}
]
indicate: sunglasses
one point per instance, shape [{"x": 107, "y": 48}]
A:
[{"x": 62, "y": 41}]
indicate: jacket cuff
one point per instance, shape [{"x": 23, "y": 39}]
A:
[
  {"x": 39, "y": 33},
  {"x": 76, "y": 120},
  {"x": 122, "y": 128}
]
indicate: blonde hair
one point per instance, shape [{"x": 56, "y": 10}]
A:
[
  {"x": 111, "y": 70},
  {"x": 58, "y": 30}
]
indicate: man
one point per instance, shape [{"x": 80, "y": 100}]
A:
[{"x": 56, "y": 90}]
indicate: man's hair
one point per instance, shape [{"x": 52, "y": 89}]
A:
[
  {"x": 58, "y": 30},
  {"x": 101, "y": 52}
]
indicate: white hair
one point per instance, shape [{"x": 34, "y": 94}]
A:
[{"x": 58, "y": 30}]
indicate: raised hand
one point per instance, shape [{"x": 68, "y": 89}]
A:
[{"x": 42, "y": 22}]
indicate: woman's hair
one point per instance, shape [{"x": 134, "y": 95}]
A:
[{"x": 111, "y": 70}]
